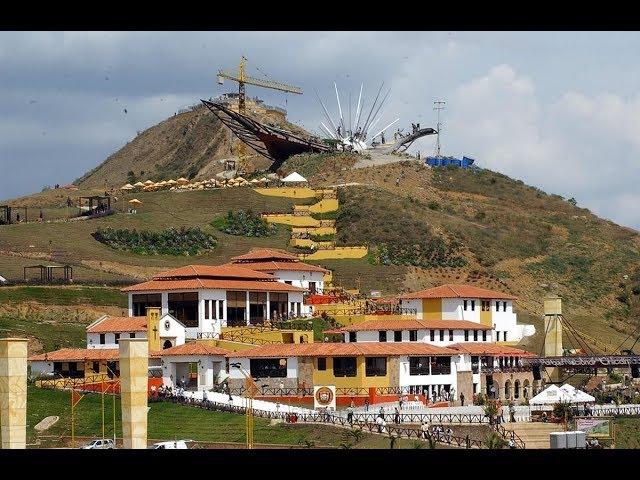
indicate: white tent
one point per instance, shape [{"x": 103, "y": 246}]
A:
[
  {"x": 565, "y": 394},
  {"x": 294, "y": 177}
]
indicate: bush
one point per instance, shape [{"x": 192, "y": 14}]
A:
[
  {"x": 172, "y": 241},
  {"x": 563, "y": 410},
  {"x": 244, "y": 223},
  {"x": 433, "y": 205}
]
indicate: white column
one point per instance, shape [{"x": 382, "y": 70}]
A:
[
  {"x": 164, "y": 298},
  {"x": 247, "y": 309},
  {"x": 130, "y": 305},
  {"x": 268, "y": 306}
]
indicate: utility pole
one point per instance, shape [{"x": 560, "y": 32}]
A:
[{"x": 437, "y": 106}]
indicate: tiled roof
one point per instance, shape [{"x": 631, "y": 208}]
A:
[
  {"x": 214, "y": 271},
  {"x": 194, "y": 348},
  {"x": 491, "y": 349},
  {"x": 411, "y": 324},
  {"x": 266, "y": 254},
  {"x": 78, "y": 355},
  {"x": 274, "y": 266},
  {"x": 341, "y": 350},
  {"x": 205, "y": 283},
  {"x": 119, "y": 324},
  {"x": 458, "y": 291}
]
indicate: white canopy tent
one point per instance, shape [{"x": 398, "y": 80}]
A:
[
  {"x": 565, "y": 394},
  {"x": 294, "y": 177}
]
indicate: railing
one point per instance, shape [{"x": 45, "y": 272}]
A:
[
  {"x": 332, "y": 419},
  {"x": 509, "y": 434},
  {"x": 618, "y": 410},
  {"x": 64, "y": 383}
]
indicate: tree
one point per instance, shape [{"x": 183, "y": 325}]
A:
[
  {"x": 491, "y": 410},
  {"x": 493, "y": 441}
]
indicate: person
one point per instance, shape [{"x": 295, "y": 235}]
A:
[
  {"x": 449, "y": 434},
  {"x": 397, "y": 417},
  {"x": 400, "y": 402},
  {"x": 462, "y": 399},
  {"x": 587, "y": 410},
  {"x": 352, "y": 405},
  {"x": 512, "y": 444},
  {"x": 382, "y": 138},
  {"x": 183, "y": 382},
  {"x": 381, "y": 413},
  {"x": 424, "y": 428},
  {"x": 41, "y": 216},
  {"x": 204, "y": 396},
  {"x": 512, "y": 412},
  {"x": 366, "y": 404},
  {"x": 350, "y": 414},
  {"x": 544, "y": 417},
  {"x": 379, "y": 422},
  {"x": 384, "y": 426}
]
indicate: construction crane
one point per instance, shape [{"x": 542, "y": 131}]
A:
[
  {"x": 250, "y": 391},
  {"x": 243, "y": 79}
]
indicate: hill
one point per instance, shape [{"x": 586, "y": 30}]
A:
[{"x": 424, "y": 226}]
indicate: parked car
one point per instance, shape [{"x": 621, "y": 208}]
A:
[
  {"x": 178, "y": 444},
  {"x": 99, "y": 444}
]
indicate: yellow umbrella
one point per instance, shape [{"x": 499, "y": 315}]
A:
[
  {"x": 135, "y": 201},
  {"x": 182, "y": 181},
  {"x": 171, "y": 182},
  {"x": 138, "y": 184},
  {"x": 128, "y": 186},
  {"x": 149, "y": 182}
]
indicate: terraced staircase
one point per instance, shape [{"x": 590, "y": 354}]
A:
[{"x": 534, "y": 434}]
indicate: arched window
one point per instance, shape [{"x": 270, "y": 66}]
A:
[
  {"x": 507, "y": 389},
  {"x": 526, "y": 387},
  {"x": 516, "y": 389},
  {"x": 166, "y": 344}
]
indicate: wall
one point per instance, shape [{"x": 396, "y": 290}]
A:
[
  {"x": 290, "y": 192},
  {"x": 408, "y": 380},
  {"x": 174, "y": 366},
  {"x": 214, "y": 323},
  {"x": 337, "y": 253},
  {"x": 291, "y": 219},
  {"x": 93, "y": 339},
  {"x": 423, "y": 336},
  {"x": 326, "y": 377}
]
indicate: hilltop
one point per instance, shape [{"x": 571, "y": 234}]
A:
[{"x": 430, "y": 227}]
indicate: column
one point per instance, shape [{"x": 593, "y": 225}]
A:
[
  {"x": 268, "y": 307},
  {"x": 164, "y": 299},
  {"x": 13, "y": 392},
  {"x": 134, "y": 380},
  {"x": 248, "y": 315}
]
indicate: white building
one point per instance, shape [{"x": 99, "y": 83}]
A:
[
  {"x": 469, "y": 303},
  {"x": 194, "y": 365},
  {"x": 205, "y": 298},
  {"x": 107, "y": 330}
]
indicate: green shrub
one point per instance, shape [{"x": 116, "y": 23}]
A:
[
  {"x": 244, "y": 223},
  {"x": 172, "y": 241},
  {"x": 433, "y": 205}
]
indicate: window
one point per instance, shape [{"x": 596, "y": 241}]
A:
[
  {"x": 466, "y": 335},
  {"x": 474, "y": 364},
  {"x": 484, "y": 335},
  {"x": 375, "y": 366},
  {"x": 344, "y": 367},
  {"x": 442, "y": 335},
  {"x": 95, "y": 366},
  {"x": 352, "y": 336},
  {"x": 475, "y": 335},
  {"x": 220, "y": 309},
  {"x": 497, "y": 306},
  {"x": 278, "y": 303},
  {"x": 419, "y": 365},
  {"x": 207, "y": 309},
  {"x": 140, "y": 302},
  {"x": 465, "y": 304},
  {"x": 322, "y": 363},
  {"x": 184, "y": 306},
  {"x": 268, "y": 367},
  {"x": 504, "y": 306},
  {"x": 505, "y": 335},
  {"x": 288, "y": 282},
  {"x": 473, "y": 305},
  {"x": 413, "y": 335},
  {"x": 102, "y": 342},
  {"x": 432, "y": 335},
  {"x": 312, "y": 287},
  {"x": 116, "y": 336},
  {"x": 451, "y": 335},
  {"x": 236, "y": 307},
  {"x": 132, "y": 335},
  {"x": 486, "y": 305},
  {"x": 397, "y": 336},
  {"x": 257, "y": 307},
  {"x": 440, "y": 365},
  {"x": 382, "y": 336}
]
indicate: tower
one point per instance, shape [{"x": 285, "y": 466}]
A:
[{"x": 553, "y": 332}]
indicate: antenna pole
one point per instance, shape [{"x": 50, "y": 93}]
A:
[{"x": 437, "y": 106}]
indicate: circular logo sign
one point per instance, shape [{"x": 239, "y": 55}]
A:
[
  {"x": 324, "y": 396},
  {"x": 167, "y": 324}
]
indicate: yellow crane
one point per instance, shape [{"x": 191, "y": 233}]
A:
[
  {"x": 250, "y": 391},
  {"x": 243, "y": 79}
]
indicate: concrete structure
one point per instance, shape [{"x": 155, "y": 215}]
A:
[
  {"x": 194, "y": 365},
  {"x": 553, "y": 333},
  {"x": 465, "y": 302},
  {"x": 13, "y": 392},
  {"x": 134, "y": 373},
  {"x": 206, "y": 298}
]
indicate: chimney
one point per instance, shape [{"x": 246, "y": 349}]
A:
[{"x": 153, "y": 328}]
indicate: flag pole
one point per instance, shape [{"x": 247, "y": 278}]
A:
[
  {"x": 102, "y": 390},
  {"x": 72, "y": 420}
]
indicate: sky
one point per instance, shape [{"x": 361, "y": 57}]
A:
[{"x": 557, "y": 110}]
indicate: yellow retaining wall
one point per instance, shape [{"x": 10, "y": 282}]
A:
[
  {"x": 307, "y": 242},
  {"x": 315, "y": 230},
  {"x": 283, "y": 336},
  {"x": 338, "y": 252},
  {"x": 290, "y": 192},
  {"x": 325, "y": 377},
  {"x": 290, "y": 219}
]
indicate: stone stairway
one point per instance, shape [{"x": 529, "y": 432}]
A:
[{"x": 534, "y": 434}]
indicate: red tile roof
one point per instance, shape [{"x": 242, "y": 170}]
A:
[
  {"x": 341, "y": 350},
  {"x": 458, "y": 291},
  {"x": 266, "y": 254},
  {"x": 194, "y": 348},
  {"x": 274, "y": 266},
  {"x": 119, "y": 324},
  {"x": 197, "y": 284},
  {"x": 214, "y": 271},
  {"x": 78, "y": 355},
  {"x": 410, "y": 324},
  {"x": 491, "y": 349}
]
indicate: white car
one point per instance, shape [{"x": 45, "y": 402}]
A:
[
  {"x": 178, "y": 444},
  {"x": 99, "y": 444}
]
